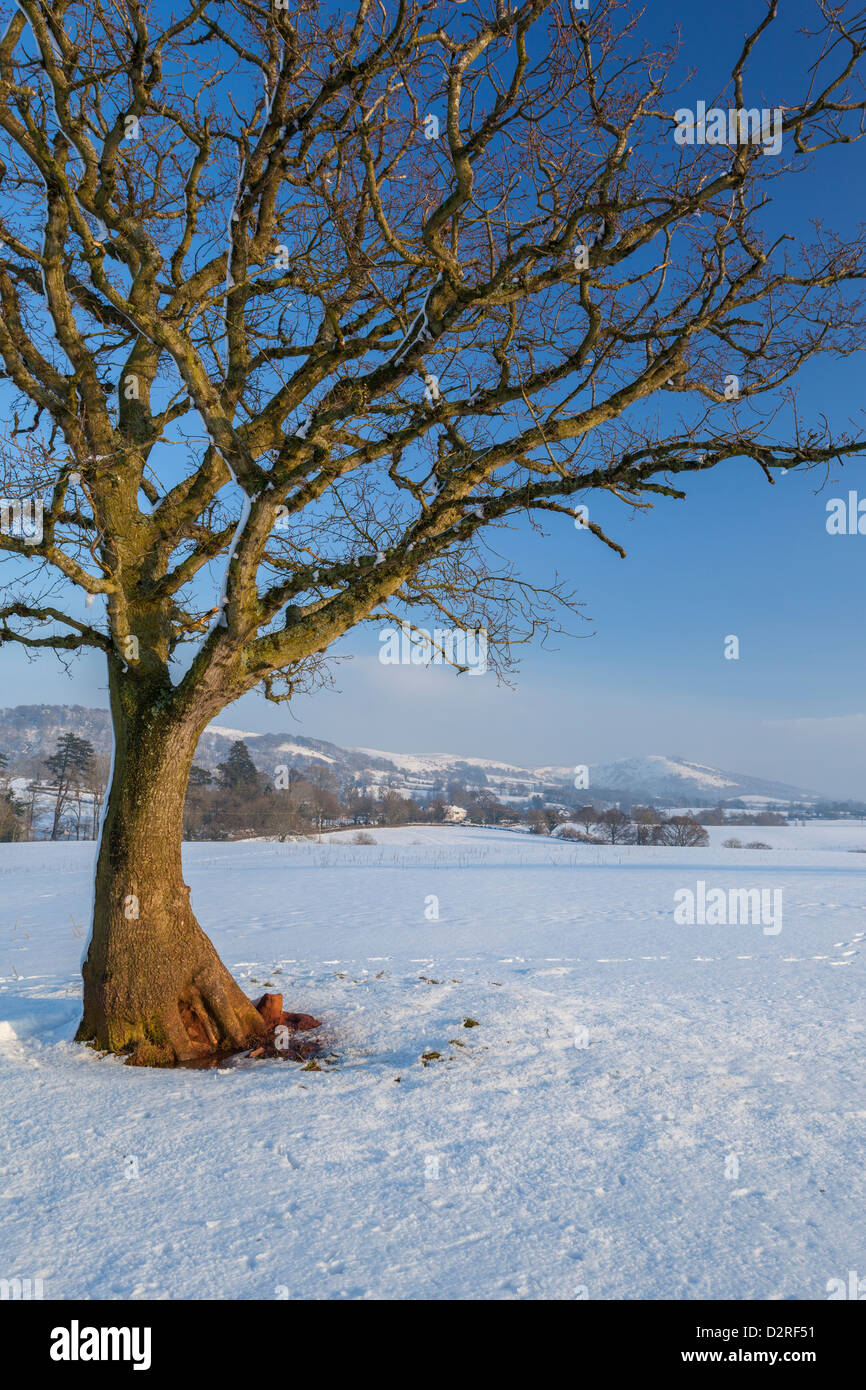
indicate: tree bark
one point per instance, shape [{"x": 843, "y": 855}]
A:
[{"x": 154, "y": 986}]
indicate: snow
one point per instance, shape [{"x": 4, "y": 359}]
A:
[
  {"x": 846, "y": 835},
  {"x": 303, "y": 752},
  {"x": 576, "y": 1144},
  {"x": 225, "y": 732},
  {"x": 419, "y": 328},
  {"x": 655, "y": 767},
  {"x": 659, "y": 775},
  {"x": 434, "y": 762},
  {"x": 287, "y": 746},
  {"x": 652, "y": 769}
]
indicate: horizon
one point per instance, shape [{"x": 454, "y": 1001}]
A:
[{"x": 231, "y": 730}]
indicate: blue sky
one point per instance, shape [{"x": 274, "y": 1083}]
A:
[{"x": 648, "y": 673}]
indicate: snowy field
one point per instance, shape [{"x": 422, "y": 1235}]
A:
[{"x": 645, "y": 1110}]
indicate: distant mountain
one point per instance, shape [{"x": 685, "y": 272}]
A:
[
  {"x": 655, "y": 777},
  {"x": 31, "y": 731},
  {"x": 28, "y": 733}
]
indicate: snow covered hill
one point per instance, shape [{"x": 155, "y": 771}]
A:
[
  {"x": 676, "y": 777},
  {"x": 654, "y": 777},
  {"x": 32, "y": 730}
]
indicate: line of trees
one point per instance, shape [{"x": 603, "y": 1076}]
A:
[
  {"x": 644, "y": 825},
  {"x": 720, "y": 815},
  {"x": 237, "y": 800}
]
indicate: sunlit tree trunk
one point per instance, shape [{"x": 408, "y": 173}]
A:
[{"x": 154, "y": 986}]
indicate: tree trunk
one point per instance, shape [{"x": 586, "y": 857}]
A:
[
  {"x": 154, "y": 987},
  {"x": 58, "y": 806}
]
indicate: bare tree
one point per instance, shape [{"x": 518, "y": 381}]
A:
[
  {"x": 647, "y": 825},
  {"x": 614, "y": 825},
  {"x": 97, "y": 784},
  {"x": 684, "y": 830},
  {"x": 281, "y": 364}
]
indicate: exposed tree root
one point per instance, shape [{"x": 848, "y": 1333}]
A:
[{"x": 208, "y": 1021}]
